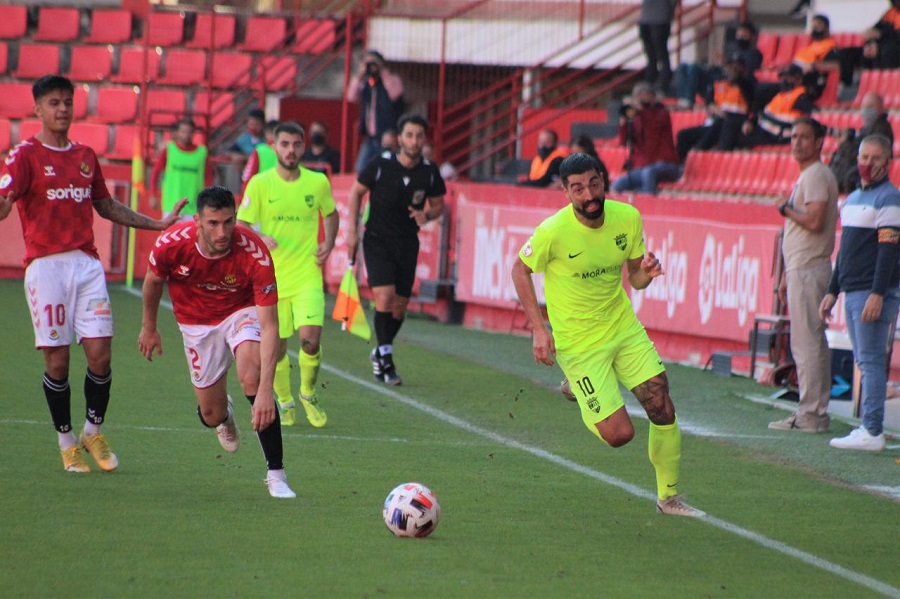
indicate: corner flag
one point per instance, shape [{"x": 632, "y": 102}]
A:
[{"x": 348, "y": 309}]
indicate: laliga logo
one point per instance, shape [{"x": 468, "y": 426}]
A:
[
  {"x": 79, "y": 194},
  {"x": 670, "y": 288},
  {"x": 727, "y": 280}
]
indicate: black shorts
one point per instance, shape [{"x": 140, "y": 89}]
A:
[{"x": 391, "y": 261}]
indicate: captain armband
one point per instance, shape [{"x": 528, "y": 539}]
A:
[{"x": 889, "y": 235}]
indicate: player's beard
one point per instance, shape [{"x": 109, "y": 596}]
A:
[
  {"x": 287, "y": 164},
  {"x": 592, "y": 214},
  {"x": 414, "y": 153}
]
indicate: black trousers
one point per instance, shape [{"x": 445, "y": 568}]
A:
[{"x": 655, "y": 39}]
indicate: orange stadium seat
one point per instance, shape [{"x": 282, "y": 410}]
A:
[
  {"x": 36, "y": 60},
  {"x": 5, "y": 134},
  {"x": 116, "y": 104},
  {"x": 91, "y": 63},
  {"x": 123, "y": 143},
  {"x": 4, "y": 58},
  {"x": 57, "y": 24},
  {"x": 264, "y": 34},
  {"x": 131, "y": 66},
  {"x": 767, "y": 42},
  {"x": 184, "y": 67},
  {"x": 220, "y": 112},
  {"x": 28, "y": 128},
  {"x": 230, "y": 69},
  {"x": 13, "y": 21},
  {"x": 93, "y": 135},
  {"x": 203, "y": 32},
  {"x": 164, "y": 28},
  {"x": 109, "y": 26},
  {"x": 16, "y": 101},
  {"x": 314, "y": 36},
  {"x": 165, "y": 107},
  {"x": 277, "y": 73}
]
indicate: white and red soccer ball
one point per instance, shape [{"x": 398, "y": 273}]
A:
[{"x": 411, "y": 510}]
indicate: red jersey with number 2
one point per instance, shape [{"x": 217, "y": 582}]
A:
[
  {"x": 54, "y": 192},
  {"x": 208, "y": 290}
]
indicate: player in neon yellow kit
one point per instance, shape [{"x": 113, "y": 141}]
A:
[
  {"x": 596, "y": 336},
  {"x": 285, "y": 204}
]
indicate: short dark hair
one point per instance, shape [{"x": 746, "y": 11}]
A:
[
  {"x": 184, "y": 121},
  {"x": 271, "y": 124},
  {"x": 579, "y": 163},
  {"x": 818, "y": 128},
  {"x": 553, "y": 133},
  {"x": 824, "y": 19},
  {"x": 749, "y": 26},
  {"x": 51, "y": 83},
  {"x": 375, "y": 54},
  {"x": 415, "y": 119},
  {"x": 257, "y": 113},
  {"x": 289, "y": 127},
  {"x": 215, "y": 197}
]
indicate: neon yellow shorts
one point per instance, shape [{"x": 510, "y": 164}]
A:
[
  {"x": 303, "y": 309},
  {"x": 629, "y": 357}
]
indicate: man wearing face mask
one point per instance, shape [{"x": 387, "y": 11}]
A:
[
  {"x": 773, "y": 125},
  {"x": 866, "y": 271},
  {"x": 821, "y": 54},
  {"x": 645, "y": 127},
  {"x": 545, "y": 166},
  {"x": 380, "y": 96},
  {"x": 318, "y": 153},
  {"x": 875, "y": 122}
]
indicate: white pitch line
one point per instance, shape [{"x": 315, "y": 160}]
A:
[{"x": 798, "y": 554}]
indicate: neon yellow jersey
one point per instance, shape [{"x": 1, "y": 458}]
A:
[
  {"x": 289, "y": 212},
  {"x": 582, "y": 270}
]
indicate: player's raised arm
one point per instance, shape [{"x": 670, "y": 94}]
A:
[
  {"x": 121, "y": 214},
  {"x": 543, "y": 344},
  {"x": 642, "y": 270},
  {"x": 149, "y": 339}
]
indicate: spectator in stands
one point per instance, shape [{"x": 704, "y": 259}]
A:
[
  {"x": 318, "y": 153},
  {"x": 389, "y": 142},
  {"x": 380, "y": 95},
  {"x": 866, "y": 271},
  {"x": 810, "y": 219},
  {"x": 880, "y": 49},
  {"x": 448, "y": 171},
  {"x": 185, "y": 169},
  {"x": 583, "y": 144},
  {"x": 696, "y": 79},
  {"x": 821, "y": 53},
  {"x": 241, "y": 149},
  {"x": 545, "y": 166},
  {"x": 654, "y": 27},
  {"x": 263, "y": 156},
  {"x": 646, "y": 128},
  {"x": 728, "y": 108},
  {"x": 773, "y": 125},
  {"x": 875, "y": 122}
]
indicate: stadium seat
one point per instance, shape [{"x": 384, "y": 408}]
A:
[
  {"x": 110, "y": 26},
  {"x": 848, "y": 40},
  {"x": 93, "y": 135},
  {"x": 277, "y": 73},
  {"x": 28, "y": 128},
  {"x": 36, "y": 60},
  {"x": 788, "y": 45},
  {"x": 829, "y": 97},
  {"x": 184, "y": 67},
  {"x": 683, "y": 119},
  {"x": 165, "y": 107},
  {"x": 5, "y": 134},
  {"x": 80, "y": 101},
  {"x": 164, "y": 28},
  {"x": 220, "y": 112},
  {"x": 314, "y": 36},
  {"x": 230, "y": 69},
  {"x": 131, "y": 66},
  {"x": 56, "y": 24},
  {"x": 13, "y": 21},
  {"x": 264, "y": 34},
  {"x": 123, "y": 142},
  {"x": 91, "y": 63},
  {"x": 767, "y": 43},
  {"x": 16, "y": 101},
  {"x": 4, "y": 58},
  {"x": 203, "y": 32},
  {"x": 117, "y": 104}
]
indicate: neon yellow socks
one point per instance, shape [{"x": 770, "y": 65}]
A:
[
  {"x": 309, "y": 372},
  {"x": 282, "y": 383},
  {"x": 664, "y": 448}
]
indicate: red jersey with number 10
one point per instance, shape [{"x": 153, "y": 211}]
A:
[
  {"x": 54, "y": 192},
  {"x": 209, "y": 290}
]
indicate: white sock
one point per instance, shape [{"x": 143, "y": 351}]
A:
[
  {"x": 67, "y": 440},
  {"x": 279, "y": 474},
  {"x": 90, "y": 428},
  {"x": 385, "y": 349}
]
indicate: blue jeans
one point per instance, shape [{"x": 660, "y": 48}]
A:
[
  {"x": 870, "y": 341},
  {"x": 645, "y": 179},
  {"x": 369, "y": 149}
]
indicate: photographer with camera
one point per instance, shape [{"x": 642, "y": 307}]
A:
[
  {"x": 380, "y": 96},
  {"x": 875, "y": 122},
  {"x": 646, "y": 129}
]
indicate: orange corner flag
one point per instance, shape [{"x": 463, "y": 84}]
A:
[{"x": 348, "y": 309}]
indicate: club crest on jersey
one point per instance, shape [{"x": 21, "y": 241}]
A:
[
  {"x": 310, "y": 200},
  {"x": 527, "y": 250},
  {"x": 85, "y": 170},
  {"x": 182, "y": 271},
  {"x": 230, "y": 279},
  {"x": 418, "y": 198},
  {"x": 49, "y": 172},
  {"x": 622, "y": 241},
  {"x": 54, "y": 335},
  {"x": 593, "y": 404}
]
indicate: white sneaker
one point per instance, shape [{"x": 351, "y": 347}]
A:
[
  {"x": 278, "y": 487},
  {"x": 227, "y": 432},
  {"x": 859, "y": 438},
  {"x": 676, "y": 506}
]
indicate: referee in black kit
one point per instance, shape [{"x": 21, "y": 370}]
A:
[{"x": 406, "y": 191}]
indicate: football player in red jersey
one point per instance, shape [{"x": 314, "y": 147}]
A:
[
  {"x": 56, "y": 184},
  {"x": 222, "y": 286}
]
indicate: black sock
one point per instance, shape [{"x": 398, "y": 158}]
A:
[
  {"x": 395, "y": 327},
  {"x": 96, "y": 396},
  {"x": 270, "y": 441},
  {"x": 59, "y": 400},
  {"x": 204, "y": 422},
  {"x": 383, "y": 327}
]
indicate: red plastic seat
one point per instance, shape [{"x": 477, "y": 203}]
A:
[
  {"x": 4, "y": 58},
  {"x": 80, "y": 101},
  {"x": 315, "y": 36},
  {"x": 37, "y": 60},
  {"x": 203, "y": 32},
  {"x": 748, "y": 170},
  {"x": 117, "y": 105},
  {"x": 91, "y": 63},
  {"x": 93, "y": 135},
  {"x": 13, "y": 21},
  {"x": 264, "y": 34},
  {"x": 165, "y": 107},
  {"x": 110, "y": 26},
  {"x": 230, "y": 69},
  {"x": 277, "y": 73},
  {"x": 5, "y": 134},
  {"x": 787, "y": 47},
  {"x": 692, "y": 166},
  {"x": 123, "y": 142},
  {"x": 56, "y": 24},
  {"x": 220, "y": 111},
  {"x": 184, "y": 67},
  {"x": 131, "y": 66},
  {"x": 16, "y": 101},
  {"x": 767, "y": 43},
  {"x": 28, "y": 128},
  {"x": 164, "y": 28}
]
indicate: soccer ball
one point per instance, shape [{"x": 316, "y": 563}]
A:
[{"x": 411, "y": 510}]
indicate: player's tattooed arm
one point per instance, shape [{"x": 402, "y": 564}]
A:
[{"x": 121, "y": 214}]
